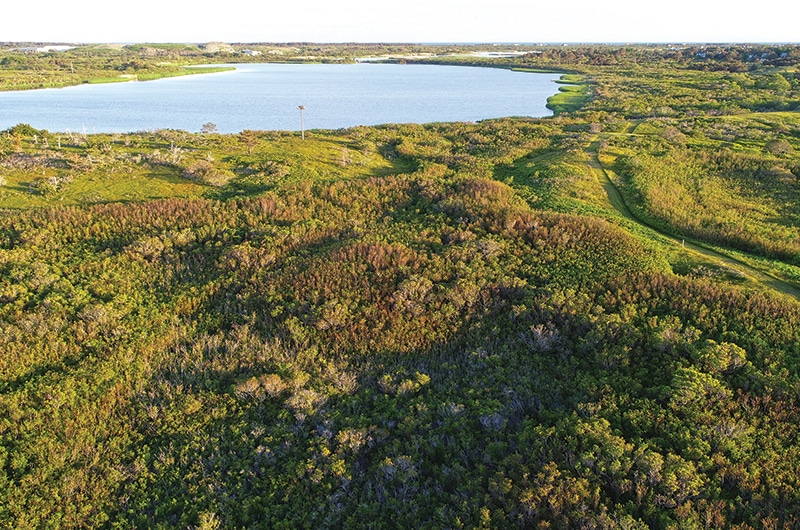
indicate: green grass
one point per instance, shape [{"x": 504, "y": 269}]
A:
[
  {"x": 115, "y": 168},
  {"x": 184, "y": 71},
  {"x": 20, "y": 192},
  {"x": 574, "y": 93},
  {"x": 105, "y": 80},
  {"x": 158, "y": 75}
]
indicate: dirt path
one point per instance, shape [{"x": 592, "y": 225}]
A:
[{"x": 744, "y": 269}]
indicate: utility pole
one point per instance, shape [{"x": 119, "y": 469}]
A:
[{"x": 302, "y": 125}]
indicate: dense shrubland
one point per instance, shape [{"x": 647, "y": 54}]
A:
[
  {"x": 260, "y": 362},
  {"x": 433, "y": 326}
]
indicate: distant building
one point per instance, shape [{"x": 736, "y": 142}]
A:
[{"x": 251, "y": 53}]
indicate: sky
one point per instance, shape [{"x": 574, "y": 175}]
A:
[{"x": 510, "y": 21}]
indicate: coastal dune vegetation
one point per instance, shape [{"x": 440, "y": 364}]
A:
[{"x": 583, "y": 321}]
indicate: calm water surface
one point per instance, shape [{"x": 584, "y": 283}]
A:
[{"x": 266, "y": 97}]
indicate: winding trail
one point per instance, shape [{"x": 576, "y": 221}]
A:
[{"x": 618, "y": 202}]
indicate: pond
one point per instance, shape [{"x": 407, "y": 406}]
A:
[{"x": 267, "y": 97}]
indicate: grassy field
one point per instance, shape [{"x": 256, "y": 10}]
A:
[
  {"x": 573, "y": 94},
  {"x": 75, "y": 169}
]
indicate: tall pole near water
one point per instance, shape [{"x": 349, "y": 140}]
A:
[{"x": 302, "y": 125}]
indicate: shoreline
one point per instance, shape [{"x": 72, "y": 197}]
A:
[{"x": 123, "y": 78}]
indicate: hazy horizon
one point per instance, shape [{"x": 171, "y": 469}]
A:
[
  {"x": 416, "y": 21},
  {"x": 420, "y": 43}
]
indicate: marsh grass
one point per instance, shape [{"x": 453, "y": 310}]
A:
[{"x": 574, "y": 93}]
